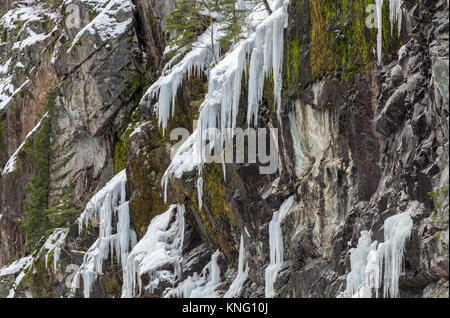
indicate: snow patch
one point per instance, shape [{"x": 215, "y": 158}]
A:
[
  {"x": 106, "y": 24},
  {"x": 11, "y": 163}
]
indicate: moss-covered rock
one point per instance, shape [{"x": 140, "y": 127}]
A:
[{"x": 331, "y": 38}]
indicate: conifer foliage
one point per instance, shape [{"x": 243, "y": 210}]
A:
[
  {"x": 192, "y": 17},
  {"x": 41, "y": 219}
]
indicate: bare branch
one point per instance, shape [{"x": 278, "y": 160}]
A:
[{"x": 266, "y": 4}]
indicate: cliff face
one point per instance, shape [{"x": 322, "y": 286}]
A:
[{"x": 358, "y": 207}]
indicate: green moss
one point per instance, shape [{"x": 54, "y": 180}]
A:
[
  {"x": 4, "y": 34},
  {"x": 121, "y": 148},
  {"x": 92, "y": 14},
  {"x": 341, "y": 40},
  {"x": 321, "y": 37},
  {"x": 38, "y": 280},
  {"x": 133, "y": 92},
  {"x": 217, "y": 214},
  {"x": 293, "y": 60},
  {"x": 113, "y": 285}
]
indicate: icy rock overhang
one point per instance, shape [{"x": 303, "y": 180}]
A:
[{"x": 263, "y": 49}]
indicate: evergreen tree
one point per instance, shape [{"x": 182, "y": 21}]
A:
[
  {"x": 187, "y": 21},
  {"x": 234, "y": 14},
  {"x": 36, "y": 222},
  {"x": 41, "y": 220},
  {"x": 192, "y": 17}
]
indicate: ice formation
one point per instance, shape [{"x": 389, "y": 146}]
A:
[
  {"x": 106, "y": 206},
  {"x": 236, "y": 286},
  {"x": 200, "y": 192},
  {"x": 276, "y": 246},
  {"x": 379, "y": 6},
  {"x": 106, "y": 24},
  {"x": 11, "y": 163},
  {"x": 161, "y": 245},
  {"x": 263, "y": 49},
  {"x": 196, "y": 62},
  {"x": 53, "y": 244},
  {"x": 375, "y": 266},
  {"x": 199, "y": 286},
  {"x": 15, "y": 267},
  {"x": 395, "y": 15},
  {"x": 26, "y": 262}
]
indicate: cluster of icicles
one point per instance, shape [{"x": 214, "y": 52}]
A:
[
  {"x": 160, "y": 246},
  {"x": 378, "y": 265},
  {"x": 262, "y": 52},
  {"x": 395, "y": 15},
  {"x": 106, "y": 206}
]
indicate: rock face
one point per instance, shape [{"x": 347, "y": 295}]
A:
[{"x": 359, "y": 142}]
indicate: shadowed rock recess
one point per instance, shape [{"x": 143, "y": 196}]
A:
[{"x": 95, "y": 202}]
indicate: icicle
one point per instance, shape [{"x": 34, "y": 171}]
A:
[
  {"x": 379, "y": 6},
  {"x": 236, "y": 286},
  {"x": 276, "y": 246},
  {"x": 358, "y": 262},
  {"x": 200, "y": 191},
  {"x": 397, "y": 230},
  {"x": 195, "y": 62}
]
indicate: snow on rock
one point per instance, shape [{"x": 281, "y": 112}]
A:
[
  {"x": 276, "y": 246},
  {"x": 18, "y": 21},
  {"x": 26, "y": 264},
  {"x": 236, "y": 285},
  {"x": 104, "y": 208},
  {"x": 25, "y": 12},
  {"x": 107, "y": 24},
  {"x": 32, "y": 39},
  {"x": 15, "y": 267},
  {"x": 11, "y": 163},
  {"x": 6, "y": 86},
  {"x": 53, "y": 244},
  {"x": 161, "y": 246},
  {"x": 375, "y": 266},
  {"x": 199, "y": 286},
  {"x": 186, "y": 159}
]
